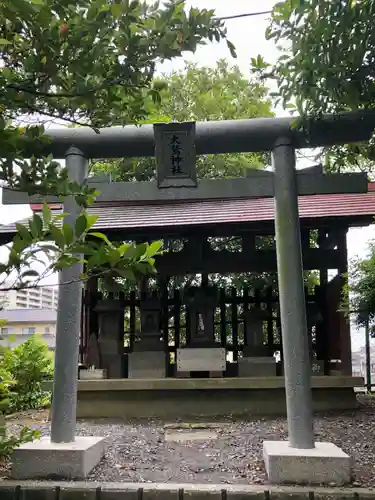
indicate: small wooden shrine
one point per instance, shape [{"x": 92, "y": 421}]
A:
[{"x": 242, "y": 319}]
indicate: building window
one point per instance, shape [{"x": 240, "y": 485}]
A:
[
  {"x": 29, "y": 330},
  {"x": 6, "y": 331},
  {"x": 47, "y": 330}
]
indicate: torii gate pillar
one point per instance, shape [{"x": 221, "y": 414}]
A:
[{"x": 298, "y": 460}]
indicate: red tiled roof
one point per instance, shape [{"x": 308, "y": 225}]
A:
[{"x": 112, "y": 216}]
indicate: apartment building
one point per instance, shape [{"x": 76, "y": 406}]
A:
[
  {"x": 29, "y": 298},
  {"x": 21, "y": 324}
]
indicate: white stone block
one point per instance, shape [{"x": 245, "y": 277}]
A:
[
  {"x": 324, "y": 464},
  {"x": 92, "y": 374},
  {"x": 42, "y": 459},
  {"x": 210, "y": 359},
  {"x": 147, "y": 364}
]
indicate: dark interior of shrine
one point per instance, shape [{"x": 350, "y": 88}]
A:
[{"x": 238, "y": 261}]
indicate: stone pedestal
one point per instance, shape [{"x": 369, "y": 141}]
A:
[
  {"x": 201, "y": 304},
  {"x": 147, "y": 364},
  {"x": 148, "y": 357},
  {"x": 211, "y": 359},
  {"x": 42, "y": 459},
  {"x": 111, "y": 337},
  {"x": 257, "y": 367},
  {"x": 324, "y": 464},
  {"x": 256, "y": 361},
  {"x": 202, "y": 353}
]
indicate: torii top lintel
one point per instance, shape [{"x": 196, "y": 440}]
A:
[{"x": 229, "y": 136}]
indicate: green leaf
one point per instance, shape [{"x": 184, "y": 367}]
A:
[
  {"x": 140, "y": 250},
  {"x": 116, "y": 10},
  {"x": 129, "y": 252},
  {"x": 58, "y": 217},
  {"x": 232, "y": 49},
  {"x": 57, "y": 236},
  {"x": 85, "y": 249},
  {"x": 80, "y": 225},
  {"x": 23, "y": 232},
  {"x": 91, "y": 219},
  {"x": 127, "y": 274},
  {"x": 113, "y": 256},
  {"x": 3, "y": 41},
  {"x": 68, "y": 234},
  {"x": 63, "y": 263},
  {"x": 154, "y": 248},
  {"x": 14, "y": 258},
  {"x": 123, "y": 248},
  {"x": 103, "y": 237},
  {"x": 47, "y": 214},
  {"x": 36, "y": 226},
  {"x": 99, "y": 258}
]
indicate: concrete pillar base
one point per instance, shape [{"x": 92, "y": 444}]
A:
[
  {"x": 324, "y": 464},
  {"x": 42, "y": 459}
]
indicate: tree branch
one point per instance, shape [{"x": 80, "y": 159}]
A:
[
  {"x": 64, "y": 118},
  {"x": 69, "y": 95},
  {"x": 33, "y": 286}
]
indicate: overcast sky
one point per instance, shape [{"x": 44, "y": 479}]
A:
[{"x": 247, "y": 34}]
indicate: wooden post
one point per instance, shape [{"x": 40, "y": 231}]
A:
[
  {"x": 323, "y": 332},
  {"x": 345, "y": 339}
]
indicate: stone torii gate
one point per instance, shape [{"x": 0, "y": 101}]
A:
[{"x": 299, "y": 459}]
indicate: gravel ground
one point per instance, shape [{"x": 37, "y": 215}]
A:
[{"x": 138, "y": 451}]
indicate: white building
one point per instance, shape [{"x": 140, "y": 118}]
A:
[
  {"x": 29, "y": 298},
  {"x": 22, "y": 324}
]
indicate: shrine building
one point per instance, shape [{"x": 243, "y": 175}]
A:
[{"x": 203, "y": 336}]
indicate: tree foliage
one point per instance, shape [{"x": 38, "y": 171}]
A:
[
  {"x": 361, "y": 289},
  {"x": 197, "y": 93},
  {"x": 102, "y": 258},
  {"x": 326, "y": 64},
  {"x": 89, "y": 62},
  {"x": 28, "y": 365},
  {"x": 9, "y": 442}
]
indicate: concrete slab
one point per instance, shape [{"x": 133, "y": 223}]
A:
[
  {"x": 325, "y": 464},
  {"x": 42, "y": 459},
  {"x": 186, "y": 435},
  {"x": 208, "y": 384}
]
